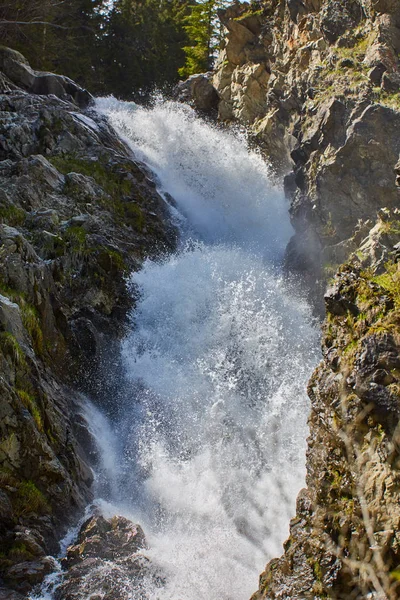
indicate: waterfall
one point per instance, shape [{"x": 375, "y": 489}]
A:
[{"x": 210, "y": 451}]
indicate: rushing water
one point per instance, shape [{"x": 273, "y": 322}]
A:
[{"x": 209, "y": 454}]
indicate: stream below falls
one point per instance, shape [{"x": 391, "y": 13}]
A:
[{"x": 208, "y": 452}]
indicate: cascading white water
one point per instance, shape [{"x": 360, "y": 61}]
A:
[{"x": 211, "y": 445}]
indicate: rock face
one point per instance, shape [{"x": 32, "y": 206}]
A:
[
  {"x": 77, "y": 213},
  {"x": 344, "y": 540},
  {"x": 107, "y": 561},
  {"x": 317, "y": 83}
]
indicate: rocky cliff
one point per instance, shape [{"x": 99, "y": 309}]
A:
[
  {"x": 344, "y": 539},
  {"x": 77, "y": 214},
  {"x": 317, "y": 84}
]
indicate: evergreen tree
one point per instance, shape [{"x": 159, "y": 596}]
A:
[
  {"x": 123, "y": 47},
  {"x": 204, "y": 32},
  {"x": 143, "y": 45},
  {"x": 54, "y": 35}
]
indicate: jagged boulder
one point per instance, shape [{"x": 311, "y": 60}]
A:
[
  {"x": 199, "y": 92},
  {"x": 107, "y": 561}
]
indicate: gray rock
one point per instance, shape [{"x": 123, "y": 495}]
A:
[
  {"x": 198, "y": 91},
  {"x": 16, "y": 68},
  {"x": 107, "y": 561},
  {"x": 25, "y": 575}
]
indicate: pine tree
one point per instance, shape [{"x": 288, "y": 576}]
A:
[
  {"x": 144, "y": 45},
  {"x": 203, "y": 29}
]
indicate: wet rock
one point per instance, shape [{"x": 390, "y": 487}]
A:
[
  {"x": 107, "y": 561},
  {"x": 77, "y": 214},
  {"x": 23, "y": 576},
  {"x": 7, "y": 594}
]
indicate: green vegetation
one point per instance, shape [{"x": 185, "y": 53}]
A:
[
  {"x": 391, "y": 100},
  {"x": 390, "y": 281},
  {"x": 31, "y": 322},
  {"x": 75, "y": 237},
  {"x": 29, "y": 499},
  {"x": 123, "y": 47},
  {"x": 126, "y": 48},
  {"x": 12, "y": 215},
  {"x": 30, "y": 404},
  {"x": 19, "y": 552},
  {"x": 204, "y": 34},
  {"x": 11, "y": 348},
  {"x": 115, "y": 183},
  {"x": 376, "y": 311}
]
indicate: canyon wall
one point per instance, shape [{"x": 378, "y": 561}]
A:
[
  {"x": 317, "y": 84},
  {"x": 77, "y": 214}
]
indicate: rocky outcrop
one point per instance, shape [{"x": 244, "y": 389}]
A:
[
  {"x": 107, "y": 561},
  {"x": 77, "y": 214},
  {"x": 199, "y": 92},
  {"x": 16, "y": 70},
  {"x": 317, "y": 84},
  {"x": 344, "y": 538}
]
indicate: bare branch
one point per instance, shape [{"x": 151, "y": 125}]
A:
[{"x": 47, "y": 23}]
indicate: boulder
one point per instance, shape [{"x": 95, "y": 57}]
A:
[
  {"x": 23, "y": 576},
  {"x": 16, "y": 68},
  {"x": 106, "y": 561},
  {"x": 199, "y": 92}
]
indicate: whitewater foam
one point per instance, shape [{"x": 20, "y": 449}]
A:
[{"x": 209, "y": 455}]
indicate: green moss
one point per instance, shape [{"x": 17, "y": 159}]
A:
[
  {"x": 7, "y": 478},
  {"x": 11, "y": 348},
  {"x": 395, "y": 574},
  {"x": 30, "y": 403},
  {"x": 249, "y": 13},
  {"x": 115, "y": 184},
  {"x": 29, "y": 499},
  {"x": 19, "y": 552},
  {"x": 391, "y": 100},
  {"x": 336, "y": 479},
  {"x": 390, "y": 281},
  {"x": 12, "y": 294},
  {"x": 134, "y": 215},
  {"x": 12, "y": 215},
  {"x": 31, "y": 322},
  {"x": 117, "y": 260}
]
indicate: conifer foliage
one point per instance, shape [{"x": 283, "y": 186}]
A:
[
  {"x": 204, "y": 34},
  {"x": 123, "y": 47}
]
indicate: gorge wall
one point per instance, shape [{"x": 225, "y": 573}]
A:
[
  {"x": 317, "y": 84},
  {"x": 77, "y": 214}
]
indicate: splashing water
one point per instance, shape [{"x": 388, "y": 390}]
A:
[{"x": 211, "y": 446}]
